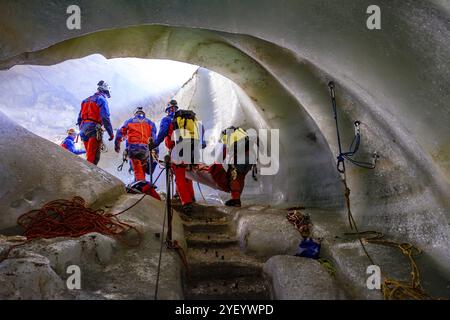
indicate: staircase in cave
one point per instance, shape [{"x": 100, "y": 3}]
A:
[{"x": 218, "y": 267}]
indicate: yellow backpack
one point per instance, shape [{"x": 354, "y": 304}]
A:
[
  {"x": 236, "y": 134},
  {"x": 185, "y": 125}
]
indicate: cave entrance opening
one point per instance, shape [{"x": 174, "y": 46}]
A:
[{"x": 46, "y": 100}]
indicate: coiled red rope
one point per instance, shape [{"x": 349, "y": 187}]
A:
[{"x": 71, "y": 218}]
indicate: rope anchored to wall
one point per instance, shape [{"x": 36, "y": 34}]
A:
[
  {"x": 392, "y": 289},
  {"x": 354, "y": 146}
]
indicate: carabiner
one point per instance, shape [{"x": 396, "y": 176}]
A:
[{"x": 340, "y": 164}]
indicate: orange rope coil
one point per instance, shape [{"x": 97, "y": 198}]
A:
[{"x": 71, "y": 218}]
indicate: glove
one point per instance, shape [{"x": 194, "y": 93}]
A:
[
  {"x": 117, "y": 148},
  {"x": 203, "y": 145},
  {"x": 111, "y": 137}
]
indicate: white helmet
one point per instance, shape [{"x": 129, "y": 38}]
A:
[{"x": 103, "y": 87}]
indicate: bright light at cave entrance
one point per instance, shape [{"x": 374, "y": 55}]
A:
[{"x": 46, "y": 99}]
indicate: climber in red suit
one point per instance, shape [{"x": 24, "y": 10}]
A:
[
  {"x": 166, "y": 132},
  {"x": 93, "y": 115},
  {"x": 235, "y": 139},
  {"x": 139, "y": 131}
]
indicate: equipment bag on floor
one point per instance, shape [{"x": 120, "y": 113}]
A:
[{"x": 308, "y": 248}]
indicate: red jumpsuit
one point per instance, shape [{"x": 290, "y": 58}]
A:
[
  {"x": 138, "y": 131},
  {"x": 185, "y": 188},
  {"x": 93, "y": 115}
]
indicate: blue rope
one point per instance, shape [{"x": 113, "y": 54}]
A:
[{"x": 354, "y": 146}]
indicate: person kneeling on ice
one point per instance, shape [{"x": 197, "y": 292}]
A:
[
  {"x": 93, "y": 115},
  {"x": 181, "y": 128},
  {"x": 236, "y": 141},
  {"x": 70, "y": 144},
  {"x": 139, "y": 131}
]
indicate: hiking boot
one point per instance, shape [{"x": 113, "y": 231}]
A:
[
  {"x": 233, "y": 203},
  {"x": 187, "y": 208}
]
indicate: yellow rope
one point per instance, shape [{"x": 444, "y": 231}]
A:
[
  {"x": 328, "y": 265},
  {"x": 392, "y": 289}
]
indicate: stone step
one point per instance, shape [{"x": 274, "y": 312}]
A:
[
  {"x": 223, "y": 270},
  {"x": 239, "y": 288},
  {"x": 206, "y": 212},
  {"x": 221, "y": 263},
  {"x": 200, "y": 226},
  {"x": 213, "y": 240}
]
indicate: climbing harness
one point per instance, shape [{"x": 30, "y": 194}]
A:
[
  {"x": 99, "y": 136},
  {"x": 71, "y": 218},
  {"x": 392, "y": 289}
]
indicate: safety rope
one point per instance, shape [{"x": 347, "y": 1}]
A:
[
  {"x": 171, "y": 244},
  {"x": 160, "y": 255},
  {"x": 328, "y": 265},
  {"x": 201, "y": 193},
  {"x": 71, "y": 218},
  {"x": 177, "y": 247},
  {"x": 392, "y": 289},
  {"x": 351, "y": 219},
  {"x": 399, "y": 290}
]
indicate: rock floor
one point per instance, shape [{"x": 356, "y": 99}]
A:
[{"x": 233, "y": 253}]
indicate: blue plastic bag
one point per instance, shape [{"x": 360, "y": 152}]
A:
[{"x": 308, "y": 248}]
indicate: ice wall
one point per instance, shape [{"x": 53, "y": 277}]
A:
[
  {"x": 395, "y": 80},
  {"x": 34, "y": 171}
]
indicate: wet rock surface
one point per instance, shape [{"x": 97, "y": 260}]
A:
[
  {"x": 221, "y": 266},
  {"x": 40, "y": 171},
  {"x": 257, "y": 225},
  {"x": 296, "y": 278},
  {"x": 30, "y": 276},
  {"x": 266, "y": 232},
  {"x": 109, "y": 269}
]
